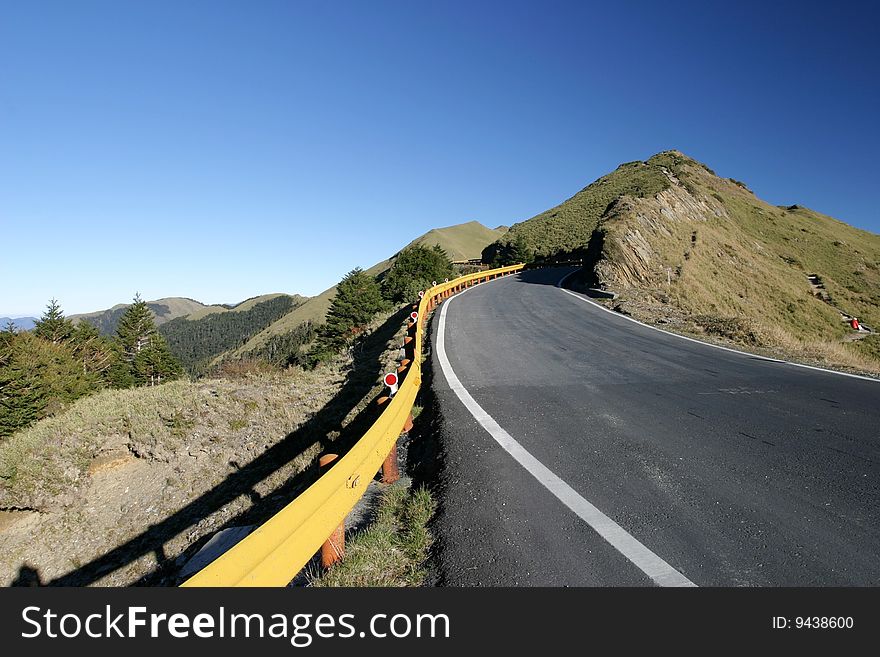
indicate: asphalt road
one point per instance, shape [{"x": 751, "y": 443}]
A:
[{"x": 730, "y": 469}]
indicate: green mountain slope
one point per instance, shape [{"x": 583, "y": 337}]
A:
[
  {"x": 461, "y": 242},
  {"x": 197, "y": 341},
  {"x": 567, "y": 227},
  {"x": 689, "y": 249}
]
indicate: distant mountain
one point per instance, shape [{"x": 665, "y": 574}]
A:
[
  {"x": 164, "y": 310},
  {"x": 198, "y": 338},
  {"x": 21, "y": 323},
  {"x": 461, "y": 242}
]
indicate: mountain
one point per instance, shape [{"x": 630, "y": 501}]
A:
[
  {"x": 164, "y": 310},
  {"x": 461, "y": 242},
  {"x": 685, "y": 247},
  {"x": 21, "y": 323},
  {"x": 247, "y": 304},
  {"x": 199, "y": 337}
]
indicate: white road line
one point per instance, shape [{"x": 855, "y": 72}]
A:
[
  {"x": 705, "y": 344},
  {"x": 649, "y": 563}
]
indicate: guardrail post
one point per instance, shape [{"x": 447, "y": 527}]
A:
[
  {"x": 333, "y": 549},
  {"x": 390, "y": 471}
]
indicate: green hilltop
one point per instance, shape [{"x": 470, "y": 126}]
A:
[{"x": 687, "y": 247}]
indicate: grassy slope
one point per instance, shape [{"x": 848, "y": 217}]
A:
[
  {"x": 568, "y": 226},
  {"x": 461, "y": 241},
  {"x": 737, "y": 265},
  {"x": 241, "y": 307}
]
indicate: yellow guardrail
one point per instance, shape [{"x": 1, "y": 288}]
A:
[{"x": 276, "y": 551}]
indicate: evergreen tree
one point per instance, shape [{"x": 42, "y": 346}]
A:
[
  {"x": 155, "y": 363},
  {"x": 414, "y": 269},
  {"x": 120, "y": 374},
  {"x": 144, "y": 351},
  {"x": 10, "y": 327},
  {"x": 519, "y": 252},
  {"x": 95, "y": 352},
  {"x": 53, "y": 325},
  {"x": 38, "y": 377},
  {"x": 358, "y": 299},
  {"x": 22, "y": 398},
  {"x": 135, "y": 328}
]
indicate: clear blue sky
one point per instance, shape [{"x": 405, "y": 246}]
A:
[{"x": 220, "y": 150}]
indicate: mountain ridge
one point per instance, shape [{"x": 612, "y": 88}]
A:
[{"x": 685, "y": 247}]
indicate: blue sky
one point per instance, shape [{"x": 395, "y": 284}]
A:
[{"x": 220, "y": 150}]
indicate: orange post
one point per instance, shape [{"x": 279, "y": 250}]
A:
[
  {"x": 333, "y": 549},
  {"x": 390, "y": 470}
]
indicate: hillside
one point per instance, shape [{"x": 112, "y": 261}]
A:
[
  {"x": 700, "y": 253},
  {"x": 122, "y": 486},
  {"x": 245, "y": 305},
  {"x": 198, "y": 338},
  {"x": 568, "y": 226},
  {"x": 461, "y": 242},
  {"x": 164, "y": 310}
]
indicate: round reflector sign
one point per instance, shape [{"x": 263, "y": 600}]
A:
[{"x": 390, "y": 379}]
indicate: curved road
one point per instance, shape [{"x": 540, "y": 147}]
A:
[{"x": 580, "y": 448}]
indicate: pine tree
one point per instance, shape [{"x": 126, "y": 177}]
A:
[
  {"x": 414, "y": 269},
  {"x": 155, "y": 364},
  {"x": 94, "y": 351},
  {"x": 519, "y": 252},
  {"x": 144, "y": 351},
  {"x": 10, "y": 327},
  {"x": 22, "y": 395},
  {"x": 53, "y": 325},
  {"x": 38, "y": 377},
  {"x": 135, "y": 328},
  {"x": 358, "y": 299}
]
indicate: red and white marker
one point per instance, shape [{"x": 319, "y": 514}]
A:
[
  {"x": 390, "y": 380},
  {"x": 421, "y": 293},
  {"x": 414, "y": 316},
  {"x": 434, "y": 284}
]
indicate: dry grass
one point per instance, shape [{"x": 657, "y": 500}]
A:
[
  {"x": 156, "y": 470},
  {"x": 392, "y": 550},
  {"x": 51, "y": 458},
  {"x": 737, "y": 268}
]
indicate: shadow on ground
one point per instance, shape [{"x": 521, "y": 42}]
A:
[{"x": 360, "y": 380}]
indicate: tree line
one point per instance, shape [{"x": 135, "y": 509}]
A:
[
  {"x": 43, "y": 370},
  {"x": 197, "y": 342}
]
